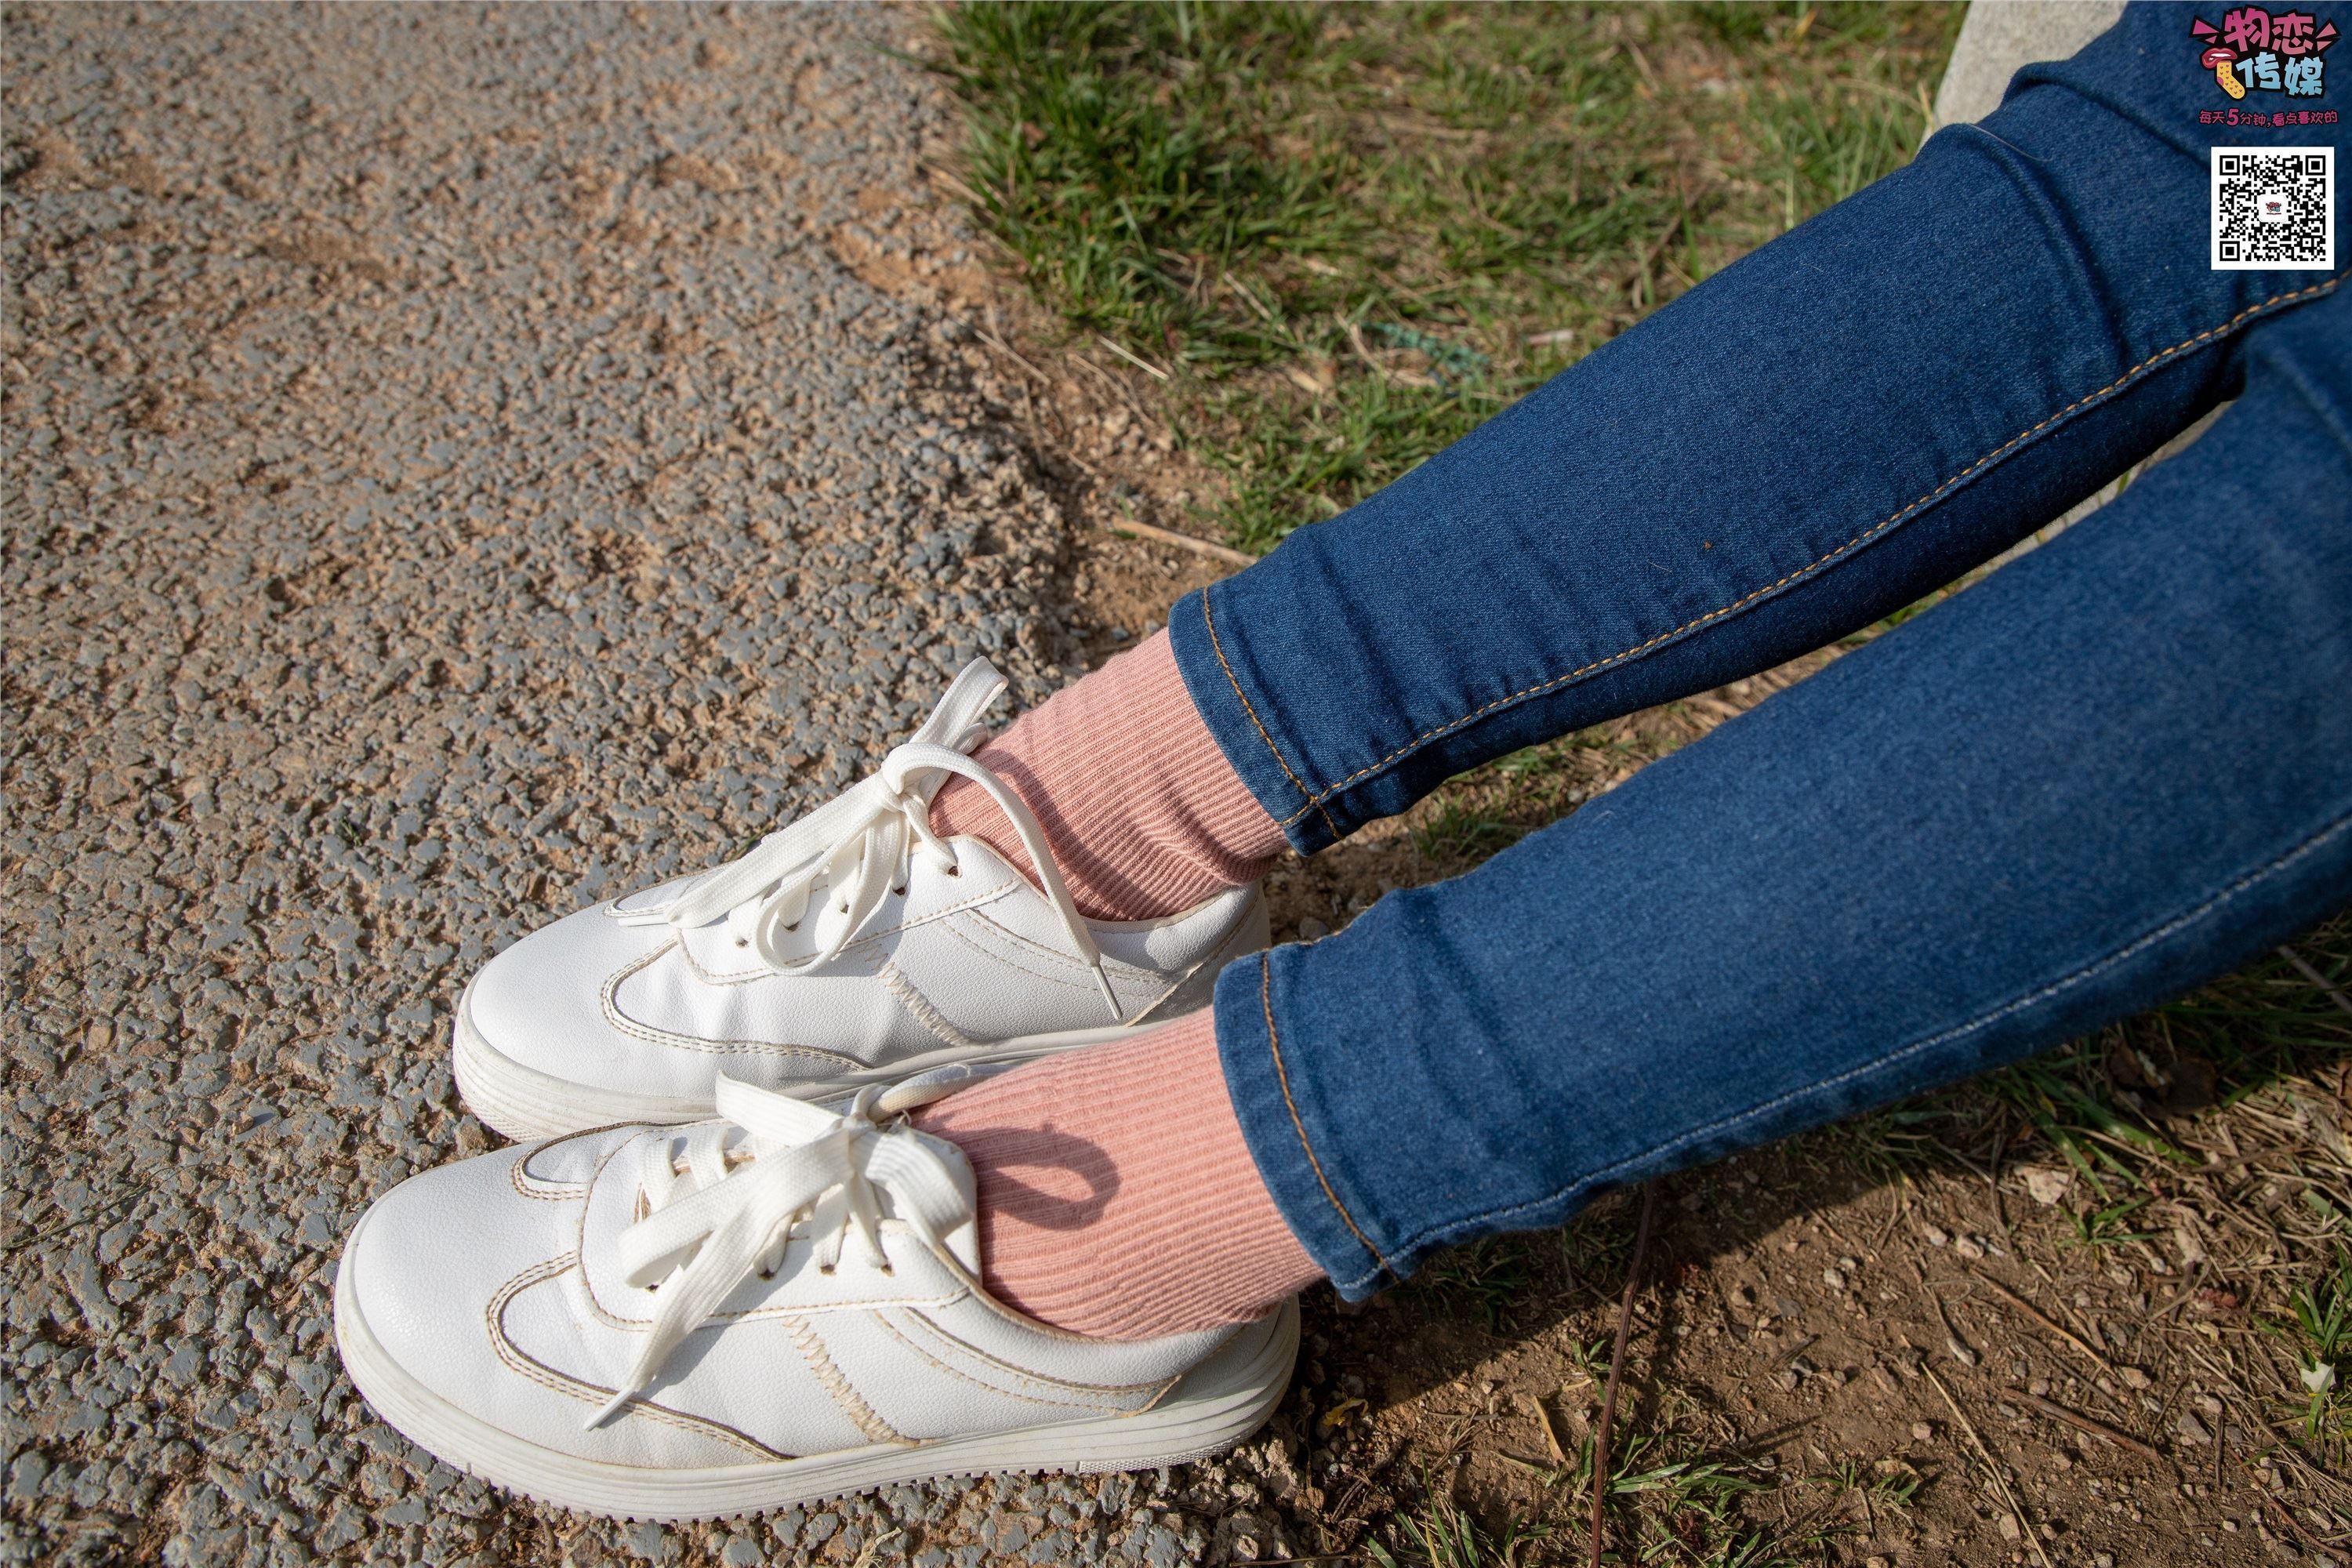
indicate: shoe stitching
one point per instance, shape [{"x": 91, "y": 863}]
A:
[
  {"x": 1239, "y": 943},
  {"x": 1144, "y": 1017},
  {"x": 1110, "y": 962},
  {"x": 894, "y": 980},
  {"x": 1075, "y": 1392},
  {"x": 2017, "y": 1004},
  {"x": 1214, "y": 963},
  {"x": 611, "y": 909},
  {"x": 539, "y": 1187},
  {"x": 1173, "y": 1384},
  {"x": 862, "y": 1415},
  {"x": 1011, "y": 963},
  {"x": 1282, "y": 1077},
  {"x": 966, "y": 1377},
  {"x": 1119, "y": 966},
  {"x": 761, "y": 971},
  {"x": 933, "y": 1326},
  {"x": 522, "y": 1363},
  {"x": 1110, "y": 966},
  {"x": 610, "y": 999},
  {"x": 755, "y": 1315},
  {"x": 1315, "y": 801}
]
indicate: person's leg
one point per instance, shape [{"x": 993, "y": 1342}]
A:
[
  {"x": 2114, "y": 769},
  {"x": 1145, "y": 815},
  {"x": 1850, "y": 417}
]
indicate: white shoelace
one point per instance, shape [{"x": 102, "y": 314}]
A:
[
  {"x": 861, "y": 843},
  {"x": 750, "y": 1180}
]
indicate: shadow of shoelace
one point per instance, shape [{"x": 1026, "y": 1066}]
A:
[{"x": 1036, "y": 1179}]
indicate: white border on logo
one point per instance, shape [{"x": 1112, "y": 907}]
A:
[{"x": 2222, "y": 163}]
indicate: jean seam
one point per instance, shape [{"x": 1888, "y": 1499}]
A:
[
  {"x": 1299, "y": 1125},
  {"x": 2015, "y": 1004},
  {"x": 1217, "y": 646},
  {"x": 1315, "y": 799}
]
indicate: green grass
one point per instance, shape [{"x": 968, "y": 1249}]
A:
[
  {"x": 2318, "y": 1325},
  {"x": 1693, "y": 1510},
  {"x": 1440, "y": 1535},
  {"x": 1458, "y": 831},
  {"x": 1338, "y": 227},
  {"x": 2103, "y": 1103},
  {"x": 1489, "y": 1277}
]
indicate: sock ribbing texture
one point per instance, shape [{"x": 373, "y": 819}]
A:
[
  {"x": 1117, "y": 1197},
  {"x": 1144, "y": 815}
]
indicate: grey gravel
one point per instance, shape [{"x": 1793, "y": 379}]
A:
[{"x": 452, "y": 474}]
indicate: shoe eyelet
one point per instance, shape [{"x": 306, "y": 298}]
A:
[
  {"x": 897, "y": 892},
  {"x": 824, "y": 1268},
  {"x": 794, "y": 926},
  {"x": 955, "y": 870},
  {"x": 888, "y": 1270},
  {"x": 841, "y": 910},
  {"x": 741, "y": 941}
]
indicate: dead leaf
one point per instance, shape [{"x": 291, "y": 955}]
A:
[{"x": 2047, "y": 1184}]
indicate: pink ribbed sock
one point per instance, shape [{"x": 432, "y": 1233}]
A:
[
  {"x": 1144, "y": 814},
  {"x": 1117, "y": 1195}
]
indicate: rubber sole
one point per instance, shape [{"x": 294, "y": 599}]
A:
[
  {"x": 524, "y": 1104},
  {"x": 1217, "y": 1405}
]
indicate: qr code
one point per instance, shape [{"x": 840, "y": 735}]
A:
[{"x": 2273, "y": 207}]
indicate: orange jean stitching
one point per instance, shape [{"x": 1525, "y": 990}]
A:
[
  {"x": 1282, "y": 1077},
  {"x": 1315, "y": 801},
  {"x": 1217, "y": 647}
]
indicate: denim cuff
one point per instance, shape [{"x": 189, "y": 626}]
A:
[
  {"x": 1277, "y": 1108},
  {"x": 1238, "y": 709}
]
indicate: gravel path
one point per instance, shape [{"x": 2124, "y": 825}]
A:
[{"x": 452, "y": 474}]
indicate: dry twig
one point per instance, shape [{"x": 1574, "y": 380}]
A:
[
  {"x": 2308, "y": 972},
  {"x": 2318, "y": 1549},
  {"x": 1183, "y": 541},
  {"x": 2024, "y": 1521},
  {"x": 2100, "y": 1429},
  {"x": 1552, "y": 1434},
  {"x": 1008, "y": 352},
  {"x": 1617, "y": 1364},
  {"x": 2038, "y": 1316},
  {"x": 1138, "y": 361}
]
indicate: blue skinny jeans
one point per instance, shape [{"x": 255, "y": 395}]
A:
[{"x": 2116, "y": 768}]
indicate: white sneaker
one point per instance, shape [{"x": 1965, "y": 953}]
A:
[
  {"x": 856, "y": 946},
  {"x": 676, "y": 1324}
]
